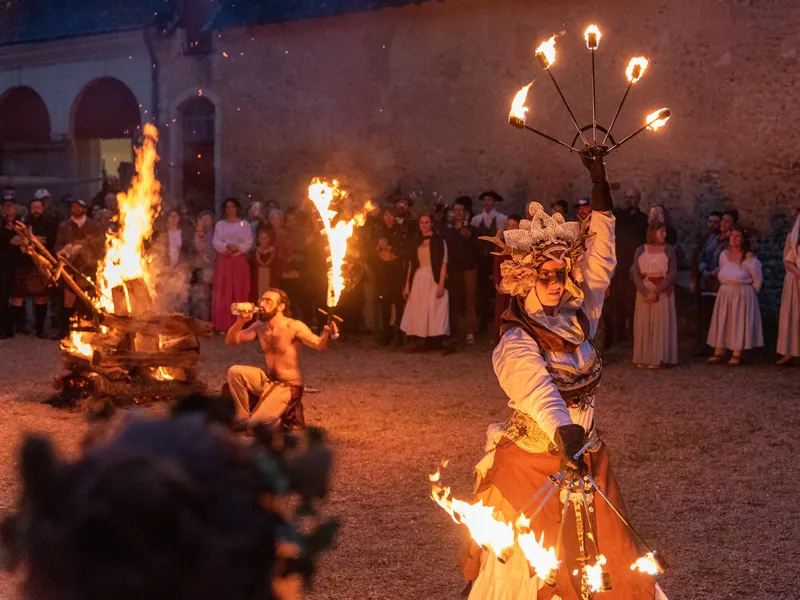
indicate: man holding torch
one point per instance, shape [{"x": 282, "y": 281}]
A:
[{"x": 278, "y": 393}]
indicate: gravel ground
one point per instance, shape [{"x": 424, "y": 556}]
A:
[{"x": 697, "y": 450}]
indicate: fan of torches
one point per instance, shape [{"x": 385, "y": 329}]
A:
[
  {"x": 323, "y": 194},
  {"x": 546, "y": 56},
  {"x": 492, "y": 532}
]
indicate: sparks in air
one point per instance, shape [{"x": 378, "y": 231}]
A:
[{"x": 636, "y": 68}]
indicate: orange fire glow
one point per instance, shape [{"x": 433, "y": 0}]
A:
[
  {"x": 592, "y": 37},
  {"x": 657, "y": 119},
  {"x": 593, "y": 574},
  {"x": 518, "y": 108},
  {"x": 636, "y": 68},
  {"x": 77, "y": 345},
  {"x": 548, "y": 51},
  {"x": 647, "y": 564},
  {"x": 138, "y": 207},
  {"x": 543, "y": 561},
  {"x": 322, "y": 194}
]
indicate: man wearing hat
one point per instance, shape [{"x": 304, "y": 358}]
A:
[
  {"x": 584, "y": 209},
  {"x": 10, "y": 193},
  {"x": 487, "y": 223},
  {"x": 80, "y": 240}
]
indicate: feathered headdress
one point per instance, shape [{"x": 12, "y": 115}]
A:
[{"x": 538, "y": 240}]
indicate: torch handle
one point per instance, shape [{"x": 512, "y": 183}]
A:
[
  {"x": 549, "y": 137},
  {"x": 619, "y": 514},
  {"x": 619, "y": 110},
  {"x": 566, "y": 104},
  {"x": 634, "y": 134}
]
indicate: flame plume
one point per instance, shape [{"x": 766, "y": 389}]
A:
[
  {"x": 543, "y": 561},
  {"x": 636, "y": 68},
  {"x": 322, "y": 193},
  {"x": 518, "y": 108},
  {"x": 657, "y": 119},
  {"x": 592, "y": 37},
  {"x": 548, "y": 51},
  {"x": 647, "y": 564},
  {"x": 138, "y": 207},
  {"x": 593, "y": 574}
]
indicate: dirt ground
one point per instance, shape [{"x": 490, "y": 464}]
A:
[{"x": 706, "y": 457}]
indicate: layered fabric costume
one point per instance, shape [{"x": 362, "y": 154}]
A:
[{"x": 550, "y": 371}]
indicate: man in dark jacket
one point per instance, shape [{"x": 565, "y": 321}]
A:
[
  {"x": 631, "y": 231},
  {"x": 463, "y": 251}
]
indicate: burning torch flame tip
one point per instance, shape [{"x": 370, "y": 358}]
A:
[
  {"x": 518, "y": 108},
  {"x": 546, "y": 53},
  {"x": 647, "y": 564},
  {"x": 592, "y": 37},
  {"x": 658, "y": 119},
  {"x": 636, "y": 68},
  {"x": 594, "y": 574}
]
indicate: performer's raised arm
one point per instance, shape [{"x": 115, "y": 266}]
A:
[
  {"x": 310, "y": 339},
  {"x": 237, "y": 334}
]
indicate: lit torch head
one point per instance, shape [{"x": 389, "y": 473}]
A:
[
  {"x": 518, "y": 109},
  {"x": 648, "y": 564},
  {"x": 594, "y": 576},
  {"x": 658, "y": 119},
  {"x": 636, "y": 68},
  {"x": 543, "y": 561},
  {"x": 546, "y": 53},
  {"x": 592, "y": 37}
]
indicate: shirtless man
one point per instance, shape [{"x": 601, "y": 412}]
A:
[{"x": 279, "y": 391}]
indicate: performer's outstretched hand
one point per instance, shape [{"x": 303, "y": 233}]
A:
[
  {"x": 569, "y": 439},
  {"x": 592, "y": 159}
]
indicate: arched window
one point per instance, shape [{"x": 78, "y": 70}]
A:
[
  {"x": 23, "y": 116},
  {"x": 105, "y": 109}
]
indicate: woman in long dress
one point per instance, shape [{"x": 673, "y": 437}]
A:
[
  {"x": 427, "y": 314},
  {"x": 262, "y": 263},
  {"x": 789, "y": 323},
  {"x": 736, "y": 322},
  {"x": 233, "y": 239},
  {"x": 655, "y": 324},
  {"x": 550, "y": 370}
]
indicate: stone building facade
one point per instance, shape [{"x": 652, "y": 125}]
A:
[{"x": 399, "y": 96}]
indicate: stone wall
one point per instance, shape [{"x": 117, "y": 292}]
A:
[{"x": 416, "y": 98}]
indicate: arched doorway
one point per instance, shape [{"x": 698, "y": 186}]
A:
[
  {"x": 198, "y": 127},
  {"x": 105, "y": 123},
  {"x": 23, "y": 116}
]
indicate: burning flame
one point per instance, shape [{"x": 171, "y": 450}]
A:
[
  {"x": 593, "y": 574},
  {"x": 636, "y": 68},
  {"x": 518, "y": 108},
  {"x": 548, "y": 51},
  {"x": 322, "y": 194},
  {"x": 592, "y": 37},
  {"x": 485, "y": 529},
  {"x": 657, "y": 119},
  {"x": 76, "y": 345},
  {"x": 647, "y": 564},
  {"x": 138, "y": 207},
  {"x": 163, "y": 375},
  {"x": 543, "y": 561}
]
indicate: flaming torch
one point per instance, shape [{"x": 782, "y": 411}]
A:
[
  {"x": 322, "y": 194},
  {"x": 546, "y": 56}
]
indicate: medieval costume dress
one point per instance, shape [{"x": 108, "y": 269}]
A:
[
  {"x": 736, "y": 322},
  {"x": 231, "y": 271},
  {"x": 550, "y": 370},
  {"x": 427, "y": 316},
  {"x": 655, "y": 324},
  {"x": 789, "y": 324}
]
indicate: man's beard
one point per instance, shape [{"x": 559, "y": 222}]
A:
[{"x": 266, "y": 317}]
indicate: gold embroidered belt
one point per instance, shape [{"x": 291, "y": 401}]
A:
[{"x": 525, "y": 432}]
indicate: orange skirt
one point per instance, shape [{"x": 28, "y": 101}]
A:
[{"x": 515, "y": 476}]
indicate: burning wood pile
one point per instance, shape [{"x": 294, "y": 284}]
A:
[{"x": 123, "y": 348}]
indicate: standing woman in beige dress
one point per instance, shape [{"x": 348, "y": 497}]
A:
[
  {"x": 736, "y": 322},
  {"x": 789, "y": 324},
  {"x": 655, "y": 324}
]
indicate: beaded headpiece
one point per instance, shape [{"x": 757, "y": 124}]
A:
[{"x": 538, "y": 240}]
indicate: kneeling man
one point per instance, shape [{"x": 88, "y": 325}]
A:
[{"x": 279, "y": 391}]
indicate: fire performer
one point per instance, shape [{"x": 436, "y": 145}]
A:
[
  {"x": 546, "y": 363},
  {"x": 279, "y": 391}
]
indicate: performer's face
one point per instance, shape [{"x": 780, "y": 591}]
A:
[
  {"x": 270, "y": 306},
  {"x": 551, "y": 281}
]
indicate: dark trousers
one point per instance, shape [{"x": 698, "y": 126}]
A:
[
  {"x": 486, "y": 292},
  {"x": 623, "y": 296},
  {"x": 389, "y": 287}
]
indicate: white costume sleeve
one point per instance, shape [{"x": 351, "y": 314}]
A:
[
  {"x": 219, "y": 242},
  {"x": 597, "y": 266},
  {"x": 753, "y": 265},
  {"x": 522, "y": 373}
]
